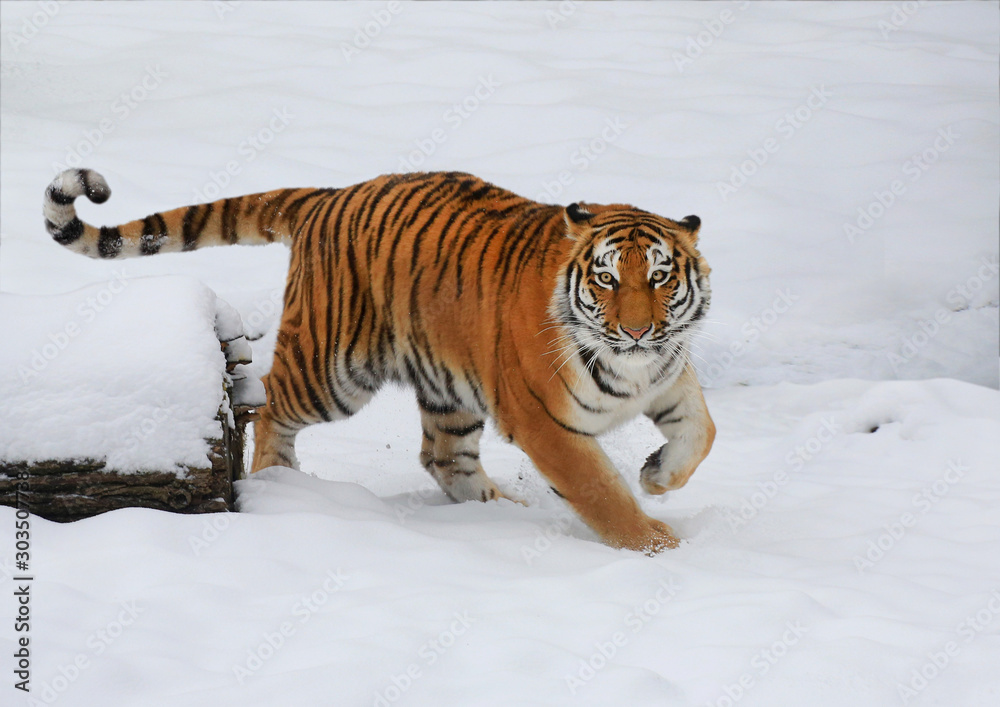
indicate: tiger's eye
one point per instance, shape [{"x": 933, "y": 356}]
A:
[
  {"x": 658, "y": 276},
  {"x": 606, "y": 278}
]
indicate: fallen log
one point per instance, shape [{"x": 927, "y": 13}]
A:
[{"x": 74, "y": 487}]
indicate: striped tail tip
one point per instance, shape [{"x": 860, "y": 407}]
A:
[{"x": 60, "y": 215}]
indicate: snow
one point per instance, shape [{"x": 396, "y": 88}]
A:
[
  {"x": 128, "y": 371},
  {"x": 851, "y": 356}
]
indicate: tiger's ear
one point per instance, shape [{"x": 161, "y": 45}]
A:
[
  {"x": 693, "y": 224},
  {"x": 576, "y": 217}
]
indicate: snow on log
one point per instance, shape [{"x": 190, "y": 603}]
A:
[{"x": 129, "y": 393}]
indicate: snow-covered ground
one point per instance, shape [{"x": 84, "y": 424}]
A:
[{"x": 842, "y": 535}]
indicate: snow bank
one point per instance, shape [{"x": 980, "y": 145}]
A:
[
  {"x": 840, "y": 539},
  {"x": 129, "y": 371}
]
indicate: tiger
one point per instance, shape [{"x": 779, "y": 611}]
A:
[{"x": 557, "y": 323}]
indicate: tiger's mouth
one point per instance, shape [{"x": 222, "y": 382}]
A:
[{"x": 630, "y": 347}]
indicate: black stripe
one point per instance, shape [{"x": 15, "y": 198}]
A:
[
  {"x": 195, "y": 219},
  {"x": 94, "y": 190},
  {"x": 596, "y": 411},
  {"x": 109, "y": 243},
  {"x": 512, "y": 238},
  {"x": 541, "y": 241},
  {"x": 477, "y": 392},
  {"x": 351, "y": 239},
  {"x": 58, "y": 196},
  {"x": 443, "y": 234},
  {"x": 427, "y": 405},
  {"x": 291, "y": 213},
  {"x": 285, "y": 394},
  {"x": 154, "y": 232},
  {"x": 394, "y": 212},
  {"x": 417, "y": 241},
  {"x": 553, "y": 417},
  {"x": 450, "y": 238},
  {"x": 268, "y": 212},
  {"x": 372, "y": 202},
  {"x": 358, "y": 327},
  {"x": 663, "y": 413},
  {"x": 67, "y": 234},
  {"x": 230, "y": 212},
  {"x": 599, "y": 374},
  {"x": 309, "y": 389},
  {"x": 462, "y": 431},
  {"x": 653, "y": 461}
]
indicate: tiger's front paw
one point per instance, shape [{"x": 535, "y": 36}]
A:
[
  {"x": 662, "y": 473},
  {"x": 651, "y": 537}
]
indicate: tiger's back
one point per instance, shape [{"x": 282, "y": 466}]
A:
[
  {"x": 487, "y": 303},
  {"x": 410, "y": 293}
]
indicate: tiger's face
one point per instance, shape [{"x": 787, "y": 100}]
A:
[{"x": 636, "y": 283}]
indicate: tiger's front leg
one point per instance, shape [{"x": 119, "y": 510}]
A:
[
  {"x": 682, "y": 417},
  {"x": 579, "y": 471}
]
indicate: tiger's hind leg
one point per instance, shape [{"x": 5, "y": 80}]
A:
[
  {"x": 450, "y": 452},
  {"x": 273, "y": 443},
  {"x": 298, "y": 396}
]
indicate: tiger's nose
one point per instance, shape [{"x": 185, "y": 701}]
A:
[{"x": 635, "y": 333}]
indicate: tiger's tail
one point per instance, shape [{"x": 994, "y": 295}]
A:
[{"x": 255, "y": 219}]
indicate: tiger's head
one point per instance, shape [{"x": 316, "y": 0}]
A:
[{"x": 635, "y": 284}]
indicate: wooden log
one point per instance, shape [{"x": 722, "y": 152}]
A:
[{"x": 67, "y": 490}]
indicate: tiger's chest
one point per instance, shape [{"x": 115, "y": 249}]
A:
[{"x": 601, "y": 396}]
